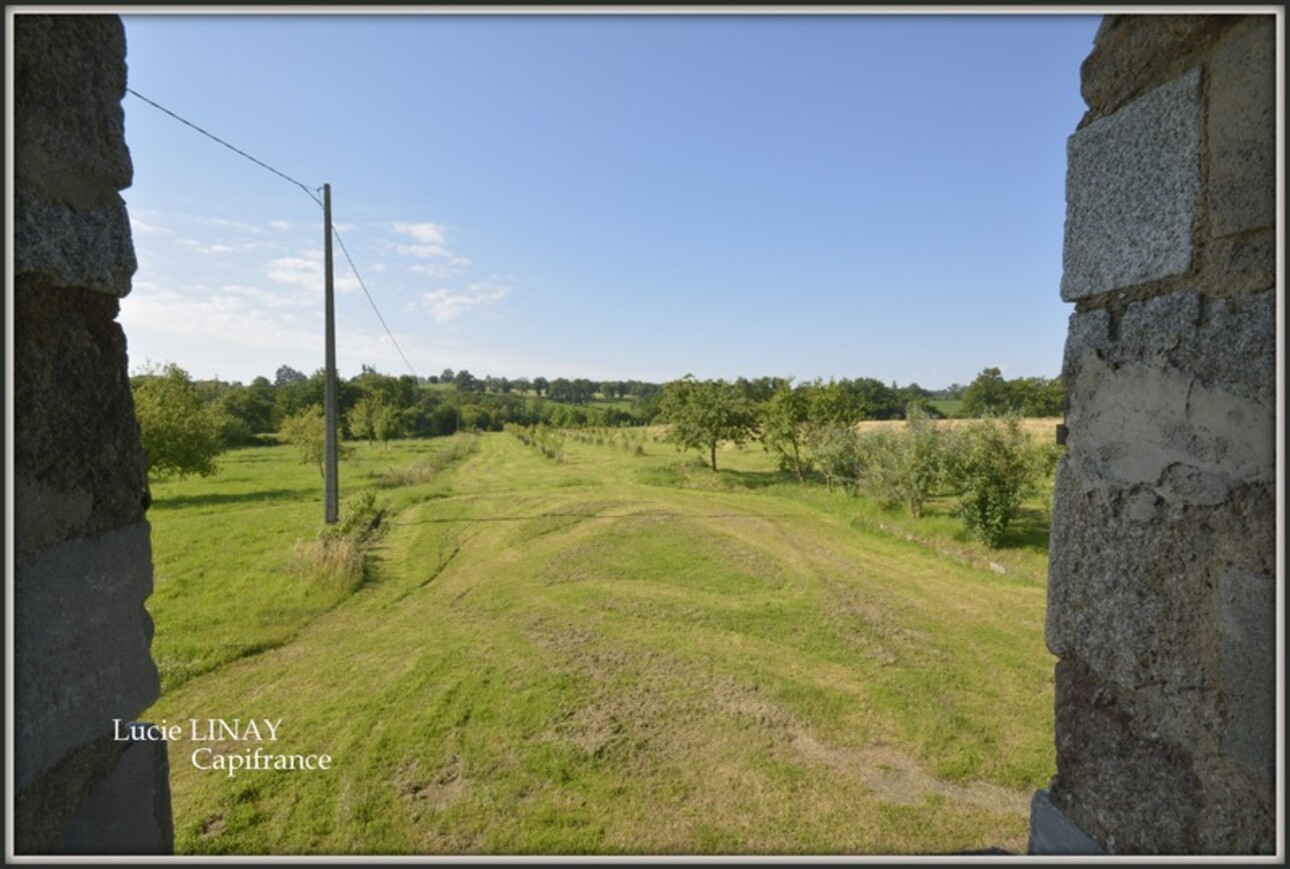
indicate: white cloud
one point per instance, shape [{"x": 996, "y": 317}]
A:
[
  {"x": 431, "y": 243},
  {"x": 229, "y": 315},
  {"x": 283, "y": 225},
  {"x": 444, "y": 304},
  {"x": 265, "y": 297},
  {"x": 222, "y": 248},
  {"x": 307, "y": 272},
  {"x": 230, "y": 224},
  {"x": 426, "y": 233},
  {"x": 438, "y": 270},
  {"x": 139, "y": 226}
]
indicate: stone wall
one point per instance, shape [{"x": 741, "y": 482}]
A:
[
  {"x": 82, "y": 556},
  {"x": 1163, "y": 581}
]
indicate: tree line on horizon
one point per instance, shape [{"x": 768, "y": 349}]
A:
[{"x": 186, "y": 423}]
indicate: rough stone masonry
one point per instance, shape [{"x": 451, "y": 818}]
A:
[
  {"x": 82, "y": 556},
  {"x": 1162, "y": 575}
]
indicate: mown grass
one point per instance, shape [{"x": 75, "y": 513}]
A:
[
  {"x": 611, "y": 654},
  {"x": 224, "y": 550}
]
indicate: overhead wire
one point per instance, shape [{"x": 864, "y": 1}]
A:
[
  {"x": 234, "y": 148},
  {"x": 361, "y": 283},
  {"x": 308, "y": 192}
]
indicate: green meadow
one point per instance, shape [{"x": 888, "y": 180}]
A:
[{"x": 618, "y": 652}]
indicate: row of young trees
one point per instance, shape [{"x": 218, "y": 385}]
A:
[
  {"x": 186, "y": 423},
  {"x": 990, "y": 464}
]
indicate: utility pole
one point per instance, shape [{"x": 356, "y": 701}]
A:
[{"x": 331, "y": 487}]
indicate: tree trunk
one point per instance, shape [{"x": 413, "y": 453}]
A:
[{"x": 714, "y": 457}]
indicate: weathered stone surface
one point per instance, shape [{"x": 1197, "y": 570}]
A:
[
  {"x": 1242, "y": 129},
  {"x": 1177, "y": 391},
  {"x": 81, "y": 640},
  {"x": 1246, "y": 262},
  {"x": 78, "y": 462},
  {"x": 1247, "y": 626},
  {"x": 129, "y": 812},
  {"x": 1131, "y": 793},
  {"x": 1132, "y": 187},
  {"x": 1053, "y": 834},
  {"x": 58, "y": 246},
  {"x": 1135, "y": 53},
  {"x": 44, "y": 808},
  {"x": 69, "y": 80},
  {"x": 1132, "y": 583},
  {"x": 1167, "y": 481}
]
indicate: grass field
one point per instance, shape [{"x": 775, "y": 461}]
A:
[{"x": 610, "y": 654}]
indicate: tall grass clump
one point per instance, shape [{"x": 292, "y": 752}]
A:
[
  {"x": 425, "y": 470},
  {"x": 335, "y": 561}
]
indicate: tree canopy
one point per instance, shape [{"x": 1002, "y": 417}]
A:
[
  {"x": 703, "y": 414},
  {"x": 182, "y": 433}
]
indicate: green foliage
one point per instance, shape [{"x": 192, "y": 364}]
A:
[
  {"x": 835, "y": 451},
  {"x": 375, "y": 417},
  {"x": 990, "y": 395},
  {"x": 993, "y": 468},
  {"x": 306, "y": 431},
  {"x": 784, "y": 422},
  {"x": 703, "y": 414},
  {"x": 181, "y": 433},
  {"x": 905, "y": 467}
]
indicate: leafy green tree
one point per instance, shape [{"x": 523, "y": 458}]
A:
[
  {"x": 252, "y": 404},
  {"x": 835, "y": 451},
  {"x": 993, "y": 468},
  {"x": 560, "y": 389},
  {"x": 286, "y": 374},
  {"x": 784, "y": 422},
  {"x": 361, "y": 419},
  {"x": 467, "y": 382},
  {"x": 905, "y": 467},
  {"x": 987, "y": 395},
  {"x": 1039, "y": 396},
  {"x": 181, "y": 433},
  {"x": 306, "y": 431},
  {"x": 703, "y": 414}
]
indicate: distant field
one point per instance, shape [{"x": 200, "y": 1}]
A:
[
  {"x": 611, "y": 654},
  {"x": 1040, "y": 429},
  {"x": 947, "y": 406}
]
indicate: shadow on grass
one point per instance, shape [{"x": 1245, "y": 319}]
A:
[
  {"x": 1029, "y": 530},
  {"x": 754, "y": 479},
  {"x": 220, "y": 499}
]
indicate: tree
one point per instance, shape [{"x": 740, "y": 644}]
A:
[
  {"x": 249, "y": 410},
  {"x": 307, "y": 432},
  {"x": 993, "y": 468},
  {"x": 835, "y": 450},
  {"x": 702, "y": 414},
  {"x": 987, "y": 395},
  {"x": 905, "y": 467},
  {"x": 286, "y": 374},
  {"x": 784, "y": 419},
  {"x": 181, "y": 433},
  {"x": 464, "y": 381},
  {"x": 540, "y": 385}
]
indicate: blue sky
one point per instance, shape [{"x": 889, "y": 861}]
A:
[{"x": 606, "y": 196}]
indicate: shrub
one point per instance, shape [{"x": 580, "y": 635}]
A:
[{"x": 993, "y": 468}]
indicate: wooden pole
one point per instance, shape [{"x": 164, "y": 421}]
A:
[{"x": 331, "y": 487}]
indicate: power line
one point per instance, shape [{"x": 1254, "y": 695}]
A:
[
  {"x": 354, "y": 268},
  {"x": 308, "y": 191},
  {"x": 310, "y": 194}
]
